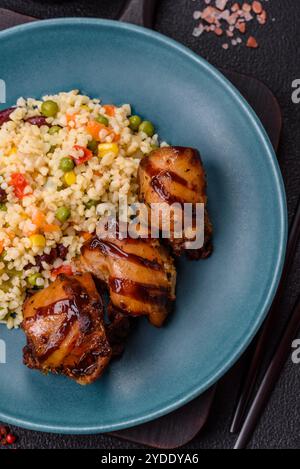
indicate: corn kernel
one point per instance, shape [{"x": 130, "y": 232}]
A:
[
  {"x": 38, "y": 241},
  {"x": 105, "y": 148},
  {"x": 85, "y": 107},
  {"x": 70, "y": 178},
  {"x": 13, "y": 150}
]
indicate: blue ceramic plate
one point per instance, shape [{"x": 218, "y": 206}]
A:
[{"x": 222, "y": 301}]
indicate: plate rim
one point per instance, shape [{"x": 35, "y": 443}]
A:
[{"x": 283, "y": 221}]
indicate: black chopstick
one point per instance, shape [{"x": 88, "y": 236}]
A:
[
  {"x": 268, "y": 383},
  {"x": 267, "y": 329}
]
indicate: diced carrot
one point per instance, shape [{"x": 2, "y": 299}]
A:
[
  {"x": 64, "y": 269},
  {"x": 1, "y": 247},
  {"x": 49, "y": 228},
  {"x": 109, "y": 110},
  {"x": 93, "y": 128},
  {"x": 38, "y": 219}
]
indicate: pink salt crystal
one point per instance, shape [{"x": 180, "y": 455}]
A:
[
  {"x": 262, "y": 18},
  {"x": 235, "y": 7},
  {"x": 198, "y": 31},
  {"x": 210, "y": 14},
  {"x": 221, "y": 4},
  {"x": 246, "y": 7},
  {"x": 224, "y": 15},
  {"x": 225, "y": 46},
  {"x": 197, "y": 15},
  {"x": 232, "y": 18}
]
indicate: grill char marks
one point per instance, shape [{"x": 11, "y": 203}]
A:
[
  {"x": 158, "y": 180},
  {"x": 110, "y": 249},
  {"x": 176, "y": 175},
  {"x": 139, "y": 274},
  {"x": 65, "y": 330},
  {"x": 145, "y": 293}
]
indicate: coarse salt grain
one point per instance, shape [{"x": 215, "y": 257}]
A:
[{"x": 221, "y": 4}]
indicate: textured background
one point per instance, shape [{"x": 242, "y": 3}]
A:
[{"x": 277, "y": 64}]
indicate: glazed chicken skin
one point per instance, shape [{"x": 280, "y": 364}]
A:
[
  {"x": 176, "y": 175},
  {"x": 139, "y": 274},
  {"x": 65, "y": 330}
]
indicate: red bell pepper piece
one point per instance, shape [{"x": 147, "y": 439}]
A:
[
  {"x": 19, "y": 183},
  {"x": 87, "y": 155}
]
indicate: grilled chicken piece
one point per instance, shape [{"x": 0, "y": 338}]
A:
[
  {"x": 65, "y": 331},
  {"x": 176, "y": 175},
  {"x": 139, "y": 273}
]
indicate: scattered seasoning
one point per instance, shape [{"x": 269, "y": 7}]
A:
[
  {"x": 230, "y": 18},
  {"x": 252, "y": 42},
  {"x": 257, "y": 7},
  {"x": 6, "y": 438},
  {"x": 11, "y": 439}
]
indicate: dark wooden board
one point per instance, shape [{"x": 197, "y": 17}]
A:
[
  {"x": 11, "y": 18},
  {"x": 181, "y": 426}
]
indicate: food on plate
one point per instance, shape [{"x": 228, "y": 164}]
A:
[
  {"x": 64, "y": 325},
  {"x": 176, "y": 175},
  {"x": 139, "y": 274},
  {"x": 66, "y": 163},
  {"x": 63, "y": 159}
]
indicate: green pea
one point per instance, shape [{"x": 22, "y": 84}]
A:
[
  {"x": 66, "y": 164},
  {"x": 92, "y": 203},
  {"x": 102, "y": 120},
  {"x": 54, "y": 129},
  {"x": 135, "y": 122},
  {"x": 49, "y": 108},
  {"x": 63, "y": 214},
  {"x": 93, "y": 146},
  {"x": 3, "y": 208},
  {"x": 148, "y": 128},
  {"x": 33, "y": 278}
]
